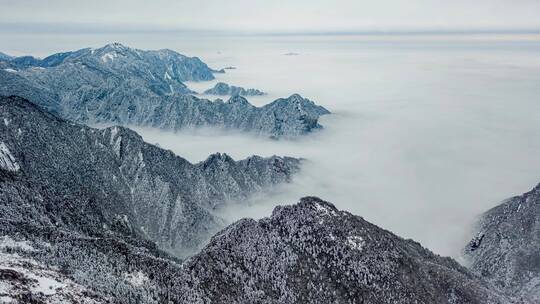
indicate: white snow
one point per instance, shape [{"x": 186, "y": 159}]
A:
[
  {"x": 114, "y": 131},
  {"x": 8, "y": 242},
  {"x": 108, "y": 57},
  {"x": 44, "y": 283},
  {"x": 141, "y": 160},
  {"x": 7, "y": 161},
  {"x": 167, "y": 76},
  {"x": 324, "y": 210},
  {"x": 10, "y": 70},
  {"x": 137, "y": 278},
  {"x": 355, "y": 242},
  {"x": 116, "y": 140},
  {"x": 43, "y": 280},
  {"x": 47, "y": 285},
  {"x": 6, "y": 121},
  {"x": 7, "y": 299}
]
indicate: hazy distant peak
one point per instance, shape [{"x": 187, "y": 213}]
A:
[{"x": 222, "y": 89}]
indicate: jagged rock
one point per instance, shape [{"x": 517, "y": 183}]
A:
[
  {"x": 506, "y": 248},
  {"x": 223, "y": 89},
  {"x": 120, "y": 85},
  {"x": 57, "y": 173}
]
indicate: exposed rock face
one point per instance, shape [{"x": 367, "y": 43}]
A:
[
  {"x": 506, "y": 250},
  {"x": 223, "y": 89},
  {"x": 61, "y": 174},
  {"x": 120, "y": 85}
]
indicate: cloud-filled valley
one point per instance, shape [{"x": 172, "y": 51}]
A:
[{"x": 421, "y": 135}]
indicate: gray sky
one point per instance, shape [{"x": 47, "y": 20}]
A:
[{"x": 269, "y": 16}]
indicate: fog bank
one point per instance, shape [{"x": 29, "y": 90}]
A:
[{"x": 423, "y": 137}]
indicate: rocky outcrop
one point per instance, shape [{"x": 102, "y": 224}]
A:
[
  {"x": 60, "y": 174},
  {"x": 506, "y": 248},
  {"x": 223, "y": 89}
]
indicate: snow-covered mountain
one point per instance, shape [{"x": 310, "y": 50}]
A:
[
  {"x": 100, "y": 216},
  {"x": 506, "y": 249},
  {"x": 223, "y": 89},
  {"x": 4, "y": 56},
  {"x": 63, "y": 175},
  {"x": 310, "y": 252},
  {"x": 122, "y": 85}
]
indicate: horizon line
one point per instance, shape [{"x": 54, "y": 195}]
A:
[{"x": 97, "y": 28}]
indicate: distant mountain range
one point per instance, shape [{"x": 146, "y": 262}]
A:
[
  {"x": 223, "y": 89},
  {"x": 122, "y": 85}
]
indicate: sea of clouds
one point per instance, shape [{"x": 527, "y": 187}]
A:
[{"x": 425, "y": 133}]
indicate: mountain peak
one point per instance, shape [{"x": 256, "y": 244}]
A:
[
  {"x": 116, "y": 46},
  {"x": 342, "y": 257}
]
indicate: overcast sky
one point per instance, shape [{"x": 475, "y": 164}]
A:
[{"x": 270, "y": 16}]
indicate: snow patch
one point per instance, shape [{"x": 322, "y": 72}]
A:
[
  {"x": 108, "y": 57},
  {"x": 47, "y": 285},
  {"x": 10, "y": 70},
  {"x": 115, "y": 141},
  {"x": 7, "y": 299},
  {"x": 324, "y": 210},
  {"x": 7, "y": 161},
  {"x": 141, "y": 159},
  {"x": 355, "y": 242},
  {"x": 8, "y": 242},
  {"x": 137, "y": 278},
  {"x": 41, "y": 281},
  {"x": 6, "y": 122},
  {"x": 167, "y": 76}
]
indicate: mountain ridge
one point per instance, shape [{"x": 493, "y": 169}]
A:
[
  {"x": 159, "y": 195},
  {"x": 223, "y": 89},
  {"x": 308, "y": 252},
  {"x": 121, "y": 85}
]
